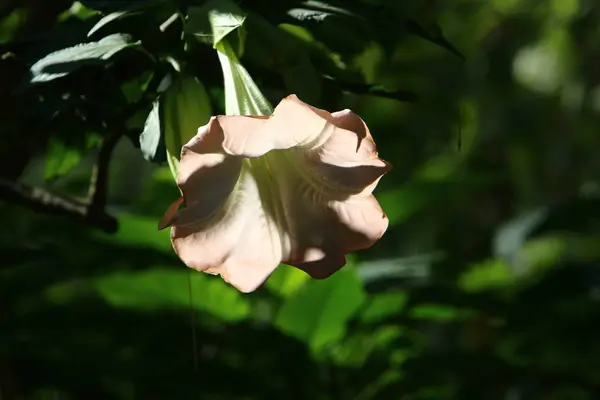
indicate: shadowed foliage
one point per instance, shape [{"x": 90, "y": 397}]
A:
[{"x": 485, "y": 286}]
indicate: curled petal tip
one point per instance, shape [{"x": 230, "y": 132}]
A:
[
  {"x": 246, "y": 288},
  {"x": 162, "y": 224},
  {"x": 291, "y": 97},
  {"x": 388, "y": 166},
  {"x": 170, "y": 215}
]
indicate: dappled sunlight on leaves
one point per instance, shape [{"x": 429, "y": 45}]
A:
[
  {"x": 168, "y": 288},
  {"x": 486, "y": 284},
  {"x": 319, "y": 311}
]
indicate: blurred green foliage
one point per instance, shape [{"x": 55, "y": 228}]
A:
[{"x": 486, "y": 285}]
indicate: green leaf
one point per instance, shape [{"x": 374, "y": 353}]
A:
[
  {"x": 412, "y": 267},
  {"x": 11, "y": 23},
  {"x": 140, "y": 232},
  {"x": 62, "y": 62},
  {"x": 487, "y": 275},
  {"x": 215, "y": 19},
  {"x": 168, "y": 288},
  {"x": 185, "y": 107},
  {"x": 433, "y": 34},
  {"x": 182, "y": 107},
  {"x": 440, "y": 312},
  {"x": 282, "y": 51},
  {"x": 384, "y": 305},
  {"x": 511, "y": 236},
  {"x": 542, "y": 253},
  {"x": 382, "y": 381},
  {"x": 134, "y": 89},
  {"x": 286, "y": 280},
  {"x": 356, "y": 349},
  {"x": 242, "y": 95},
  {"x": 127, "y": 9},
  {"x": 152, "y": 142},
  {"x": 318, "y": 11},
  {"x": 222, "y": 17},
  {"x": 319, "y": 311},
  {"x": 372, "y": 90},
  {"x": 60, "y": 159},
  {"x": 345, "y": 37},
  {"x": 107, "y": 19},
  {"x": 77, "y": 10}
]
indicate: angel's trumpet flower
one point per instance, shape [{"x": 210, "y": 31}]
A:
[{"x": 295, "y": 188}]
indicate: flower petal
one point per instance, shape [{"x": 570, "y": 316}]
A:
[
  {"x": 294, "y": 187},
  {"x": 293, "y": 124},
  {"x": 241, "y": 242},
  {"x": 170, "y": 214},
  {"x": 223, "y": 229},
  {"x": 318, "y": 139},
  {"x": 322, "y": 223}
]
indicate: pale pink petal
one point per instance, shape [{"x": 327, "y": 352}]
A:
[
  {"x": 293, "y": 188},
  {"x": 327, "y": 144},
  {"x": 170, "y": 214},
  {"x": 323, "y": 223},
  {"x": 293, "y": 124},
  {"x": 240, "y": 242},
  {"x": 224, "y": 228}
]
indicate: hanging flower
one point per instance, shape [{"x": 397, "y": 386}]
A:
[{"x": 295, "y": 188}]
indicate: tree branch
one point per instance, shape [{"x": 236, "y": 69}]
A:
[
  {"x": 93, "y": 212},
  {"x": 98, "y": 192}
]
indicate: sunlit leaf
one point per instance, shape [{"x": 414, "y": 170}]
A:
[
  {"x": 242, "y": 95},
  {"x": 60, "y": 159},
  {"x": 541, "y": 253},
  {"x": 185, "y": 106},
  {"x": 152, "y": 142},
  {"x": 487, "y": 275},
  {"x": 383, "y": 305},
  {"x": 77, "y": 10},
  {"x": 168, "y": 288},
  {"x": 62, "y": 62},
  {"x": 215, "y": 19},
  {"x": 318, "y": 312},
  {"x": 439, "y": 312},
  {"x": 317, "y": 11},
  {"x": 107, "y": 19},
  {"x": 286, "y": 280},
  {"x": 137, "y": 231}
]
